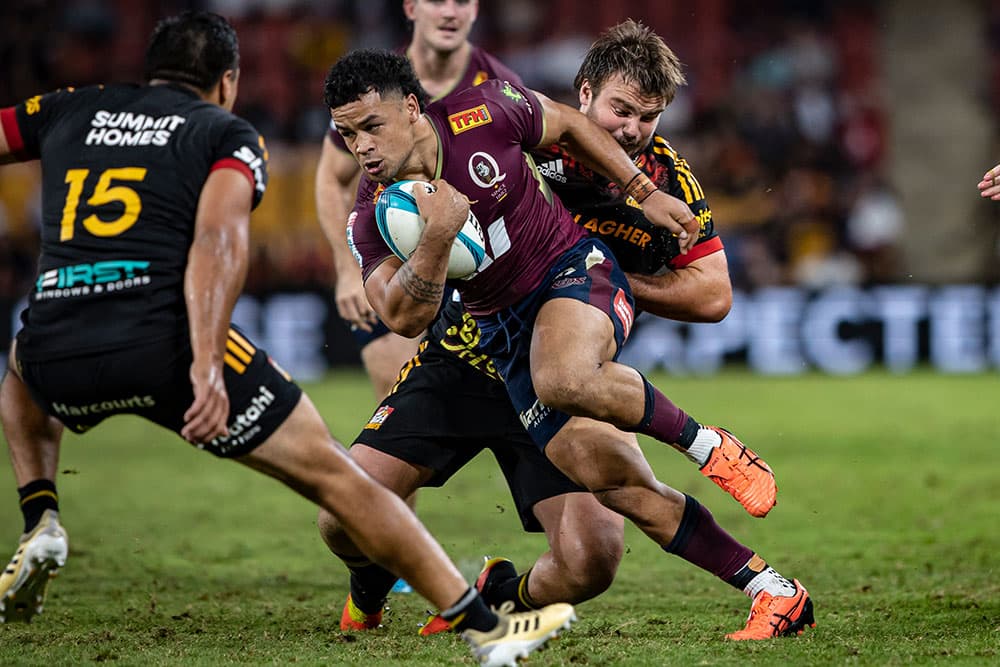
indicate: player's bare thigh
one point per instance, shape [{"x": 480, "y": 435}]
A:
[
  {"x": 303, "y": 454},
  {"x": 401, "y": 477},
  {"x": 598, "y": 456},
  {"x": 569, "y": 342},
  {"x": 609, "y": 462},
  {"x": 384, "y": 356}
]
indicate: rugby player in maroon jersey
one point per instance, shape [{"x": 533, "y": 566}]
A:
[
  {"x": 492, "y": 171},
  {"x": 445, "y": 62}
]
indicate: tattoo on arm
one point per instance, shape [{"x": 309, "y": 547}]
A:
[{"x": 418, "y": 289}]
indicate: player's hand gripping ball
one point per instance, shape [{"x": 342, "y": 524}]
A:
[{"x": 400, "y": 224}]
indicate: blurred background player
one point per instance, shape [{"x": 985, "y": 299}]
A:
[
  {"x": 148, "y": 193},
  {"x": 445, "y": 62}
]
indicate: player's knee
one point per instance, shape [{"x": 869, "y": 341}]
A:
[
  {"x": 621, "y": 498},
  {"x": 561, "y": 389},
  {"x": 594, "y": 567}
]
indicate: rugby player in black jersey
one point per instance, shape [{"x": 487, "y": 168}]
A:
[
  {"x": 445, "y": 62},
  {"x": 147, "y": 193},
  {"x": 450, "y": 402}
]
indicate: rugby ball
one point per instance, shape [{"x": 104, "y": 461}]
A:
[{"x": 400, "y": 225}]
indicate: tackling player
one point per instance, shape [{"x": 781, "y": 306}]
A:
[
  {"x": 585, "y": 538},
  {"x": 445, "y": 62},
  {"x": 147, "y": 198}
]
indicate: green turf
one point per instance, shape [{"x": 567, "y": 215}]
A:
[{"x": 887, "y": 512}]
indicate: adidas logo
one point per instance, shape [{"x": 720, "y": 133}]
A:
[{"x": 553, "y": 170}]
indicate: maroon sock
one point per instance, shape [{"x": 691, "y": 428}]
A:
[
  {"x": 665, "y": 421},
  {"x": 702, "y": 542}
]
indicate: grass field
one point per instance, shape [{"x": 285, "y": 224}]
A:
[{"x": 888, "y": 504}]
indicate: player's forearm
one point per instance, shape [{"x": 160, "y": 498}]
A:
[
  {"x": 595, "y": 148},
  {"x": 334, "y": 177},
  {"x": 216, "y": 271},
  {"x": 408, "y": 299},
  {"x": 689, "y": 294}
]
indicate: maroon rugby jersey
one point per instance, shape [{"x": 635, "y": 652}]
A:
[
  {"x": 484, "y": 134},
  {"x": 481, "y": 67}
]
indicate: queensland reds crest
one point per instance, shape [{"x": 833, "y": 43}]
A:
[{"x": 485, "y": 172}]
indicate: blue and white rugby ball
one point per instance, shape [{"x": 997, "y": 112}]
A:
[{"x": 400, "y": 225}]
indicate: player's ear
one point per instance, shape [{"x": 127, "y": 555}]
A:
[
  {"x": 412, "y": 105},
  {"x": 586, "y": 95},
  {"x": 228, "y": 87},
  {"x": 408, "y": 9}
]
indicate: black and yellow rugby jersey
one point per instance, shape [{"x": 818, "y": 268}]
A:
[
  {"x": 122, "y": 170},
  {"x": 599, "y": 206}
]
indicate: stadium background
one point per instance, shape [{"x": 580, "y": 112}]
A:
[{"x": 839, "y": 144}]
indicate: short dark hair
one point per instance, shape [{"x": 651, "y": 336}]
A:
[
  {"x": 366, "y": 70},
  {"x": 195, "y": 48},
  {"x": 639, "y": 55}
]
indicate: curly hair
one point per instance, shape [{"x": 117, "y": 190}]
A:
[
  {"x": 365, "y": 70},
  {"x": 639, "y": 55}
]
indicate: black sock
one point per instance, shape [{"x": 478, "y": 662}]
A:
[
  {"x": 514, "y": 589},
  {"x": 370, "y": 583},
  {"x": 497, "y": 588},
  {"x": 470, "y": 612},
  {"x": 36, "y": 497}
]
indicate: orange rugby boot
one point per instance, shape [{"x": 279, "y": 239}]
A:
[
  {"x": 354, "y": 619},
  {"x": 778, "y": 615},
  {"x": 737, "y": 470},
  {"x": 434, "y": 625}
]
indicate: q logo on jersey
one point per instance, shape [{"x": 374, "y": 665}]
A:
[{"x": 484, "y": 170}]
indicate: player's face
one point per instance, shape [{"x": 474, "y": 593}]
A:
[
  {"x": 621, "y": 109},
  {"x": 379, "y": 132},
  {"x": 442, "y": 25}
]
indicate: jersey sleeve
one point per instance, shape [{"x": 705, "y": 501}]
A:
[
  {"x": 25, "y": 124},
  {"x": 681, "y": 183},
  {"x": 242, "y": 148},
  {"x": 363, "y": 238},
  {"x": 518, "y": 108}
]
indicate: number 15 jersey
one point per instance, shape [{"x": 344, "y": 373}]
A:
[{"x": 122, "y": 171}]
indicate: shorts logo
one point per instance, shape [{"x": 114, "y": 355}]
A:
[
  {"x": 533, "y": 416},
  {"x": 624, "y": 311},
  {"x": 568, "y": 282},
  {"x": 470, "y": 119},
  {"x": 594, "y": 257},
  {"x": 114, "y": 405},
  {"x": 244, "y": 426},
  {"x": 375, "y": 423}
]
